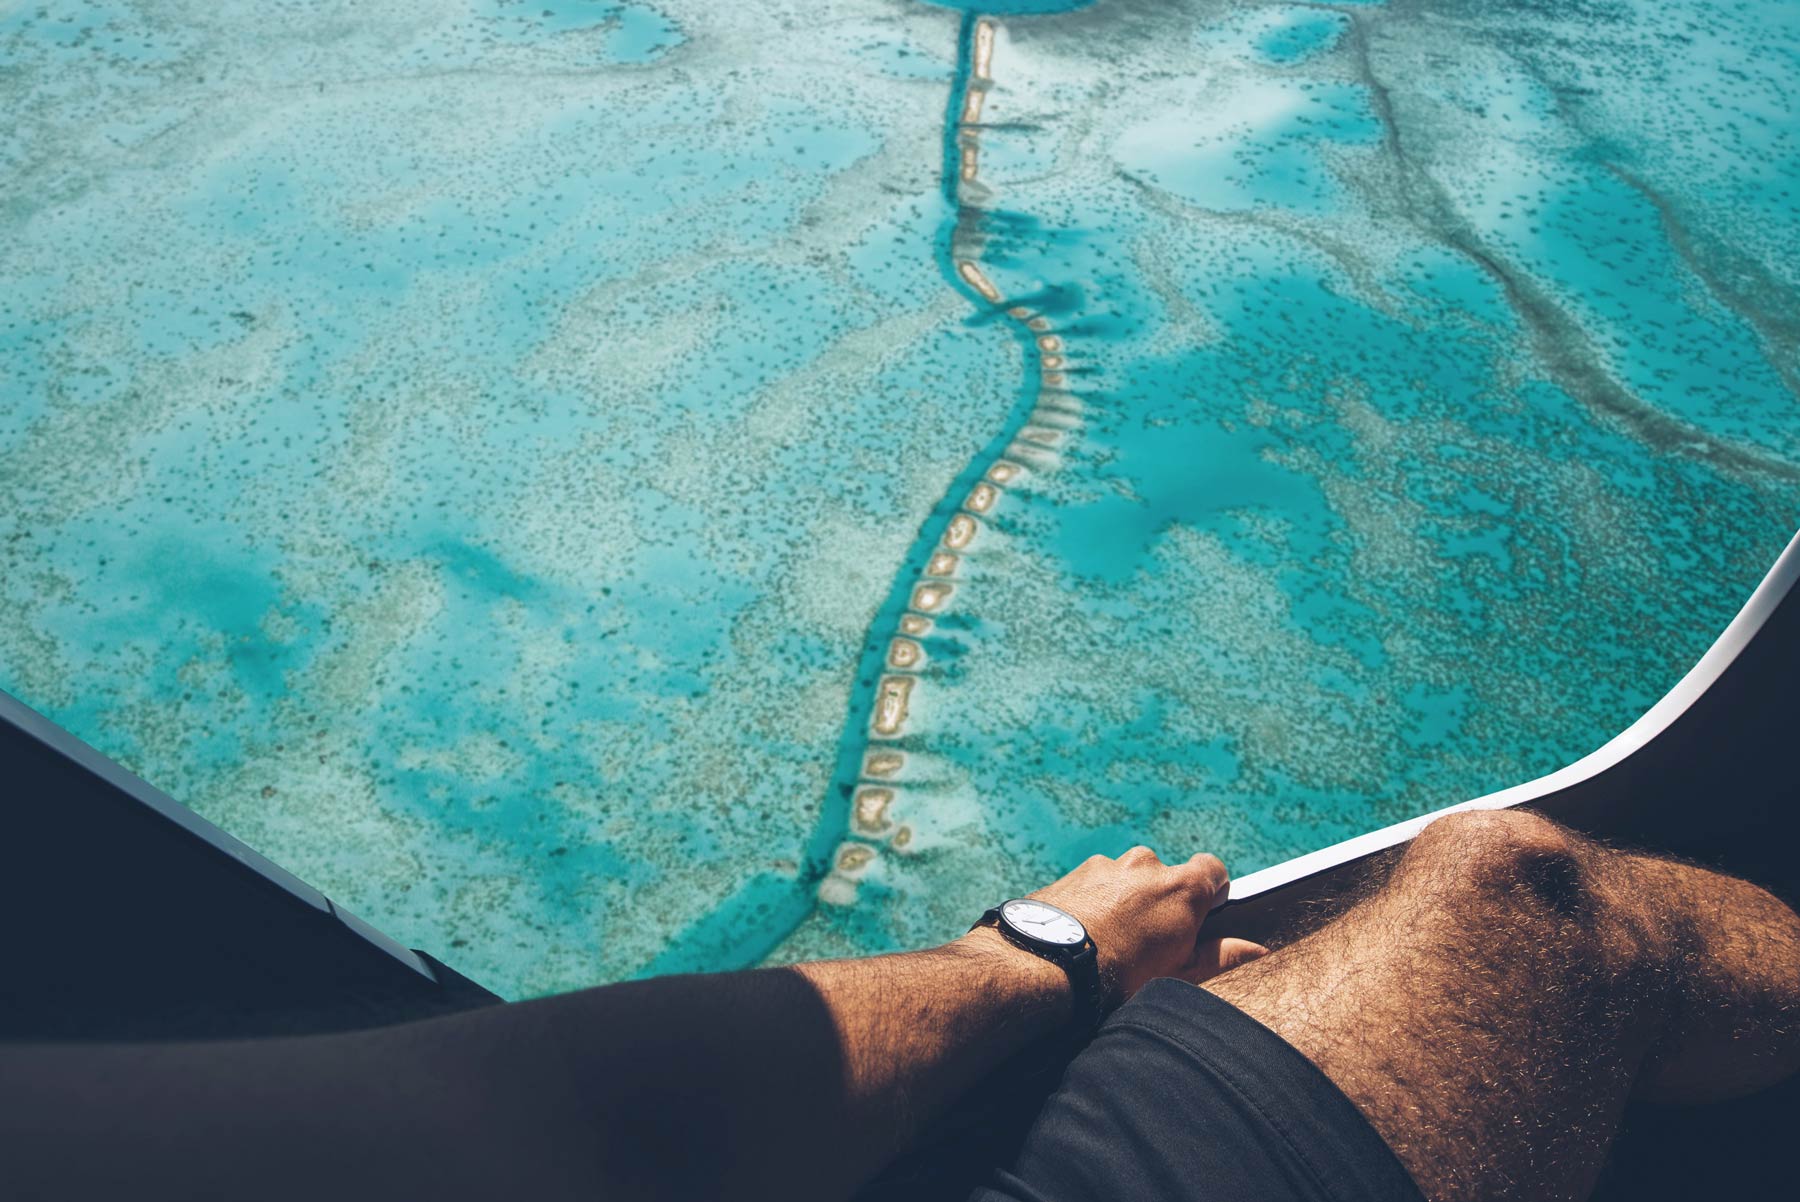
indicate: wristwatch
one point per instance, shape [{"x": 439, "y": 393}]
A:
[{"x": 1055, "y": 935}]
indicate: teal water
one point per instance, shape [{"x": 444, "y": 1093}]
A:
[{"x": 482, "y": 454}]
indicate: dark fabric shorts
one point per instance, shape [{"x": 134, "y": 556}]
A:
[{"x": 1182, "y": 1097}]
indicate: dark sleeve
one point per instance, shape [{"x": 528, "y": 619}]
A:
[{"x": 629, "y": 1091}]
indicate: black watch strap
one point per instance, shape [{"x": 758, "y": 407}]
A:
[
  {"x": 1090, "y": 995},
  {"x": 1087, "y": 992}
]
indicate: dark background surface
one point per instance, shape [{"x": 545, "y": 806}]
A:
[{"x": 129, "y": 917}]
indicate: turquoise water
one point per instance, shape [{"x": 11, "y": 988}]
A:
[{"x": 487, "y": 455}]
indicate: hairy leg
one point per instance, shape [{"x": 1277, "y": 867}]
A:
[{"x": 1493, "y": 1006}]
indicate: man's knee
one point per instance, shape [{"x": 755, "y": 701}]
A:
[
  {"x": 1493, "y": 839},
  {"x": 1509, "y": 854}
]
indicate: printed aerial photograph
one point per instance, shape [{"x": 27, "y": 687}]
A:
[{"x": 607, "y": 490}]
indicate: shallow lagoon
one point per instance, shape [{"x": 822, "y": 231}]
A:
[{"x": 484, "y": 455}]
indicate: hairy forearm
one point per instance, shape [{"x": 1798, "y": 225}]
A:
[
  {"x": 917, "y": 1030},
  {"x": 802, "y": 1082},
  {"x": 816, "y": 1075}
]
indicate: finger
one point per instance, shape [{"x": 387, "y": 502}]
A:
[
  {"x": 1208, "y": 878},
  {"x": 1139, "y": 856},
  {"x": 1214, "y": 956}
]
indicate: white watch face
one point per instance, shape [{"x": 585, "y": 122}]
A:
[{"x": 1043, "y": 922}]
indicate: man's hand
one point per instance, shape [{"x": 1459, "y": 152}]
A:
[{"x": 1145, "y": 917}]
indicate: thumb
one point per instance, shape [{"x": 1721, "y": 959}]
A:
[{"x": 1214, "y": 956}]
